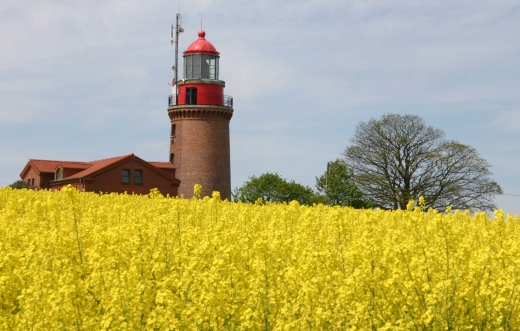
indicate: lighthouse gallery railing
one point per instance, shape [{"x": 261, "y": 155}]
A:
[{"x": 201, "y": 99}]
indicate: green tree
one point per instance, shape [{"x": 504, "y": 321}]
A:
[
  {"x": 19, "y": 184},
  {"x": 399, "y": 158},
  {"x": 273, "y": 188},
  {"x": 337, "y": 187}
]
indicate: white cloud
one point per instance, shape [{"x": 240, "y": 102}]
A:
[{"x": 508, "y": 120}]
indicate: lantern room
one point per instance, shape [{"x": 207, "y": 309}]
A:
[{"x": 201, "y": 60}]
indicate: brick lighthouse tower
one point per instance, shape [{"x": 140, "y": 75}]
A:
[{"x": 200, "y": 114}]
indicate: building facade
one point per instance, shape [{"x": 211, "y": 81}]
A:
[{"x": 127, "y": 173}]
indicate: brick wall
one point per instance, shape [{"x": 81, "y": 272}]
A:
[
  {"x": 201, "y": 149},
  {"x": 45, "y": 179},
  {"x": 111, "y": 180},
  {"x": 67, "y": 172},
  {"x": 40, "y": 181}
]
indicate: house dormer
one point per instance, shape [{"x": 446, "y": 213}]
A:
[{"x": 58, "y": 174}]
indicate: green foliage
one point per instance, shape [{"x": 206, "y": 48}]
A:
[
  {"x": 273, "y": 188},
  {"x": 337, "y": 187},
  {"x": 19, "y": 184},
  {"x": 399, "y": 158}
]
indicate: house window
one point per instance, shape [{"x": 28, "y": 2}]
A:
[
  {"x": 138, "y": 177},
  {"x": 191, "y": 96},
  {"x": 59, "y": 174},
  {"x": 172, "y": 158},
  {"x": 172, "y": 133},
  {"x": 33, "y": 182},
  {"x": 126, "y": 176}
]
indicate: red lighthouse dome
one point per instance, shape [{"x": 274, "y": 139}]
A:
[
  {"x": 201, "y": 60},
  {"x": 201, "y": 45}
]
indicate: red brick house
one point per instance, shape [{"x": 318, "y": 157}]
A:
[{"x": 127, "y": 173}]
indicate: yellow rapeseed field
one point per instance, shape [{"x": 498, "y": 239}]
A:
[{"x": 85, "y": 261}]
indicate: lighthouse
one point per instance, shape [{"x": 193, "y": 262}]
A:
[{"x": 199, "y": 113}]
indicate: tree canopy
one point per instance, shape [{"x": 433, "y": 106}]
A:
[
  {"x": 399, "y": 158},
  {"x": 337, "y": 187},
  {"x": 273, "y": 188},
  {"x": 19, "y": 184}
]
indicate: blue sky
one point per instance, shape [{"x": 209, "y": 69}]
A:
[{"x": 85, "y": 80}]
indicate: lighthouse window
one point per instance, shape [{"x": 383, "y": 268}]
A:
[
  {"x": 173, "y": 133},
  {"x": 209, "y": 67},
  {"x": 196, "y": 67},
  {"x": 204, "y": 67},
  {"x": 172, "y": 158},
  {"x": 191, "y": 96},
  {"x": 188, "y": 67},
  {"x": 200, "y": 66}
]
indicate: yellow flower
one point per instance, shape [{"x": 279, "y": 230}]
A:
[
  {"x": 215, "y": 195},
  {"x": 128, "y": 262},
  {"x": 197, "y": 190}
]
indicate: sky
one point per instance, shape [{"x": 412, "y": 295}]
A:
[{"x": 85, "y": 80}]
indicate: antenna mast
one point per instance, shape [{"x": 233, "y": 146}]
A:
[{"x": 178, "y": 30}]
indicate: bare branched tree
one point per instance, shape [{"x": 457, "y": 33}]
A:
[{"x": 398, "y": 158}]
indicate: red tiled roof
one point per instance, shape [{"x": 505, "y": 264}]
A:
[
  {"x": 89, "y": 167},
  {"x": 73, "y": 165},
  {"x": 98, "y": 165},
  {"x": 162, "y": 165},
  {"x": 50, "y": 165}
]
